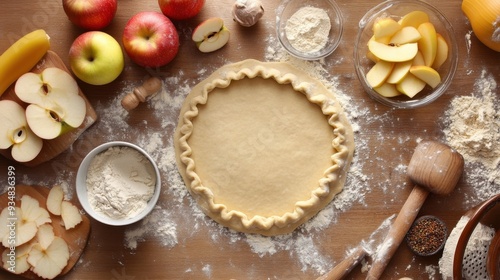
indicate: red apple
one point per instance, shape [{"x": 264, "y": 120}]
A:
[
  {"x": 180, "y": 9},
  {"x": 90, "y": 14},
  {"x": 150, "y": 39}
]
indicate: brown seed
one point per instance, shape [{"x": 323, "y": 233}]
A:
[{"x": 426, "y": 236}]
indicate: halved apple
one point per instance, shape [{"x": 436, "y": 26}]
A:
[
  {"x": 410, "y": 85},
  {"x": 399, "y": 72},
  {"x": 426, "y": 74},
  {"x": 428, "y": 43},
  {"x": 393, "y": 53},
  {"x": 15, "y": 132},
  {"x": 441, "y": 53},
  {"x": 407, "y": 34},
  {"x": 211, "y": 35},
  {"x": 414, "y": 18},
  {"x": 385, "y": 27},
  {"x": 379, "y": 73},
  {"x": 55, "y": 105}
]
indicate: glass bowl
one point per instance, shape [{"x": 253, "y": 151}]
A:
[
  {"x": 396, "y": 9},
  {"x": 288, "y": 8},
  {"x": 83, "y": 195}
]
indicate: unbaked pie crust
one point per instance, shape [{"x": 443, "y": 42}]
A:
[{"x": 262, "y": 146}]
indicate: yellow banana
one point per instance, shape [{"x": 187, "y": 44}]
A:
[{"x": 23, "y": 55}]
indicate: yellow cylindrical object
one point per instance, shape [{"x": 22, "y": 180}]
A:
[
  {"x": 23, "y": 55},
  {"x": 484, "y": 17}
]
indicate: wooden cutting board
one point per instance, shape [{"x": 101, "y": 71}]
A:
[
  {"x": 52, "y": 148},
  {"x": 76, "y": 237}
]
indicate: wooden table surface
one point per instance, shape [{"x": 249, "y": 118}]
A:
[{"x": 385, "y": 141}]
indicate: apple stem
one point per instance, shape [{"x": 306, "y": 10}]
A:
[{"x": 141, "y": 93}]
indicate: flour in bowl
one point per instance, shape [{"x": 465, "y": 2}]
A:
[
  {"x": 308, "y": 29},
  {"x": 120, "y": 182}
]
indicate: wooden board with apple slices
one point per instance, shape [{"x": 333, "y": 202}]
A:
[
  {"x": 76, "y": 238},
  {"x": 52, "y": 148}
]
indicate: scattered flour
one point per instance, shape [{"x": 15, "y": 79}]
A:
[
  {"x": 472, "y": 127},
  {"x": 157, "y": 224}
]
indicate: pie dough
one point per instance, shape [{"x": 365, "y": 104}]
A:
[{"x": 262, "y": 146}]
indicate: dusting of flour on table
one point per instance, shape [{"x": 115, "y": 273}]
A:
[
  {"x": 120, "y": 182},
  {"x": 473, "y": 129},
  {"x": 307, "y": 29}
]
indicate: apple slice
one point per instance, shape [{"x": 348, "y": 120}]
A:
[
  {"x": 54, "y": 200},
  {"x": 399, "y": 72},
  {"x": 441, "y": 53},
  {"x": 15, "y": 132},
  {"x": 211, "y": 35},
  {"x": 385, "y": 27},
  {"x": 393, "y": 53},
  {"x": 21, "y": 260},
  {"x": 379, "y": 73},
  {"x": 414, "y": 18},
  {"x": 45, "y": 235},
  {"x": 55, "y": 105},
  {"x": 426, "y": 74},
  {"x": 428, "y": 43},
  {"x": 49, "y": 262},
  {"x": 70, "y": 215},
  {"x": 418, "y": 60},
  {"x": 31, "y": 211},
  {"x": 407, "y": 34},
  {"x": 410, "y": 85},
  {"x": 372, "y": 57},
  {"x": 387, "y": 90}
]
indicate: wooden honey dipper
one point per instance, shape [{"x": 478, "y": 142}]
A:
[
  {"x": 141, "y": 93},
  {"x": 434, "y": 166}
]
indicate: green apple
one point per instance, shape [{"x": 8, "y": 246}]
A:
[
  {"x": 55, "y": 106},
  {"x": 96, "y": 58}
]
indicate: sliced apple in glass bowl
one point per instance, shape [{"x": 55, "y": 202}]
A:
[{"x": 407, "y": 33}]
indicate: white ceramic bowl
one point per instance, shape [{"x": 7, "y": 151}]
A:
[
  {"x": 396, "y": 9},
  {"x": 287, "y": 8},
  {"x": 81, "y": 186}
]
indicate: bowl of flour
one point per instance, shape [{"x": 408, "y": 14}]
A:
[
  {"x": 309, "y": 29},
  {"x": 118, "y": 183}
]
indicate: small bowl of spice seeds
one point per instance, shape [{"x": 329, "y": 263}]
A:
[{"x": 427, "y": 236}]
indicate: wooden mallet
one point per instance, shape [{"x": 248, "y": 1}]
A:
[{"x": 434, "y": 167}]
